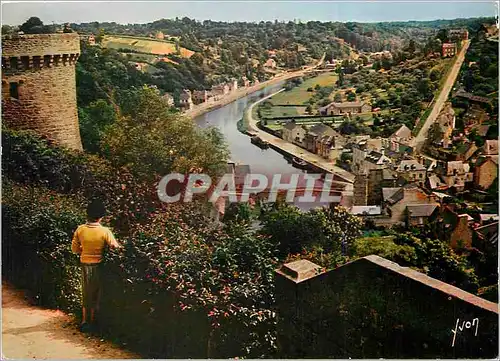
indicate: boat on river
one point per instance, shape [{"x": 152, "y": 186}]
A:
[
  {"x": 259, "y": 142},
  {"x": 299, "y": 163}
]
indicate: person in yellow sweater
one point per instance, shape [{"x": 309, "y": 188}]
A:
[{"x": 90, "y": 241}]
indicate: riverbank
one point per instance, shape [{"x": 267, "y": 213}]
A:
[
  {"x": 292, "y": 149},
  {"x": 239, "y": 93},
  {"x": 243, "y": 92}
]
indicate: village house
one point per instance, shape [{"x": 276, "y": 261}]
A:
[
  {"x": 159, "y": 35},
  {"x": 458, "y": 34},
  {"x": 330, "y": 145},
  {"x": 186, "y": 99},
  {"x": 220, "y": 90},
  {"x": 455, "y": 174},
  {"x": 314, "y": 136},
  {"x": 455, "y": 228},
  {"x": 489, "y": 29},
  {"x": 232, "y": 85},
  {"x": 473, "y": 98},
  {"x": 270, "y": 63},
  {"x": 89, "y": 39},
  {"x": 379, "y": 55},
  {"x": 364, "y": 159},
  {"x": 487, "y": 235},
  {"x": 448, "y": 49},
  {"x": 332, "y": 64},
  {"x": 400, "y": 140},
  {"x": 361, "y": 211},
  {"x": 367, "y": 188},
  {"x": 294, "y": 133},
  {"x": 345, "y": 108},
  {"x": 420, "y": 214},
  {"x": 245, "y": 82},
  {"x": 411, "y": 170},
  {"x": 465, "y": 151},
  {"x": 446, "y": 123},
  {"x": 169, "y": 99},
  {"x": 435, "y": 183},
  {"x": 480, "y": 129},
  {"x": 490, "y": 147},
  {"x": 474, "y": 116},
  {"x": 407, "y": 205},
  {"x": 200, "y": 96},
  {"x": 485, "y": 172}
]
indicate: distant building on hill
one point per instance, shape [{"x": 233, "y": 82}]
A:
[
  {"x": 88, "y": 38},
  {"x": 448, "y": 49},
  {"x": 200, "y": 96},
  {"x": 458, "y": 34},
  {"x": 159, "y": 35},
  {"x": 232, "y": 85},
  {"x": 220, "y": 90},
  {"x": 270, "y": 63},
  {"x": 186, "y": 99},
  {"x": 245, "y": 81}
]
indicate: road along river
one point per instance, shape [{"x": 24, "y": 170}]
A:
[{"x": 262, "y": 161}]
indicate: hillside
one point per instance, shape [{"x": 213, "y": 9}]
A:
[{"x": 144, "y": 45}]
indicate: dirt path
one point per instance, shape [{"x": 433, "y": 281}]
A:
[
  {"x": 30, "y": 332},
  {"x": 442, "y": 97}
]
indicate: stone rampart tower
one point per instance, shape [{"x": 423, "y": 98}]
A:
[{"x": 39, "y": 86}]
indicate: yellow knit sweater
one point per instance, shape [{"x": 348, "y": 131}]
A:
[{"x": 90, "y": 240}]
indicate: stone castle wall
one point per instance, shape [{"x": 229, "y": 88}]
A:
[{"x": 39, "y": 86}]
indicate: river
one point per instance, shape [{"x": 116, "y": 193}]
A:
[
  {"x": 265, "y": 161},
  {"x": 262, "y": 161}
]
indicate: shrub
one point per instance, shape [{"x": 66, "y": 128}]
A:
[
  {"x": 29, "y": 159},
  {"x": 215, "y": 284},
  {"x": 293, "y": 231},
  {"x": 36, "y": 239}
]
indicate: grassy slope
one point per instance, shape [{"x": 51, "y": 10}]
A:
[
  {"x": 143, "y": 45},
  {"x": 299, "y": 95}
]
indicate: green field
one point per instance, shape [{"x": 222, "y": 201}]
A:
[
  {"x": 299, "y": 94},
  {"x": 280, "y": 111},
  {"x": 143, "y": 45}
]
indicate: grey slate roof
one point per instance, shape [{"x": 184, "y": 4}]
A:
[{"x": 421, "y": 210}]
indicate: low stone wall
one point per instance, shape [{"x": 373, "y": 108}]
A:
[{"x": 373, "y": 308}]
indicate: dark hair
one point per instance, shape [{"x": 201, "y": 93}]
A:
[{"x": 95, "y": 210}]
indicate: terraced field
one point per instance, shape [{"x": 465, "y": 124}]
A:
[{"x": 143, "y": 45}]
